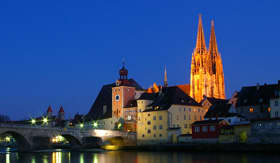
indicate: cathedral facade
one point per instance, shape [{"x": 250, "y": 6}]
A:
[{"x": 207, "y": 76}]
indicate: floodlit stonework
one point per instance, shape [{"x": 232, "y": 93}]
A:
[{"x": 207, "y": 76}]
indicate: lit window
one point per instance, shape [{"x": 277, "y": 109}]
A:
[
  {"x": 268, "y": 109},
  {"x": 129, "y": 117},
  {"x": 251, "y": 110}
]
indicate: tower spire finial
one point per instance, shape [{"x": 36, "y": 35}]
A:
[
  {"x": 200, "y": 41},
  {"x": 213, "y": 47},
  {"x": 165, "y": 77}
]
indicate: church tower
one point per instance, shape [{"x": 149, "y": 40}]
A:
[{"x": 207, "y": 77}]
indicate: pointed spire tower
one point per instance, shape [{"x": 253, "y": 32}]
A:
[
  {"x": 165, "y": 77},
  {"x": 207, "y": 77},
  {"x": 217, "y": 86},
  {"x": 200, "y": 41}
]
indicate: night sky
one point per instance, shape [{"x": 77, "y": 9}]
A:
[{"x": 62, "y": 52}]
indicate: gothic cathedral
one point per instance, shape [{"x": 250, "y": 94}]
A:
[{"x": 207, "y": 76}]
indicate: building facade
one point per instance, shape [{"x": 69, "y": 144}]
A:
[{"x": 207, "y": 76}]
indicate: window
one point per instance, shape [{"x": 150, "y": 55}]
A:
[
  {"x": 160, "y": 127},
  {"x": 276, "y": 114},
  {"x": 178, "y": 125},
  {"x": 190, "y": 117},
  {"x": 276, "y": 103},
  {"x": 160, "y": 117},
  {"x": 205, "y": 129},
  {"x": 160, "y": 135},
  {"x": 184, "y": 117},
  {"x": 184, "y": 109},
  {"x": 197, "y": 129},
  {"x": 195, "y": 118},
  {"x": 190, "y": 110},
  {"x": 129, "y": 117},
  {"x": 149, "y": 122},
  {"x": 117, "y": 97},
  {"x": 154, "y": 118},
  {"x": 149, "y": 131},
  {"x": 177, "y": 117},
  {"x": 268, "y": 109},
  {"x": 251, "y": 110},
  {"x": 198, "y": 110},
  {"x": 190, "y": 126},
  {"x": 155, "y": 135},
  {"x": 155, "y": 127},
  {"x": 149, "y": 114},
  {"x": 143, "y": 135},
  {"x": 185, "y": 126},
  {"x": 212, "y": 128}
]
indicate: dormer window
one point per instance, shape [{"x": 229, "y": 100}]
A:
[{"x": 269, "y": 109}]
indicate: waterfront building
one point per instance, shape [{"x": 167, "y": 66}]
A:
[
  {"x": 113, "y": 100},
  {"x": 165, "y": 115},
  {"x": 253, "y": 102},
  {"x": 238, "y": 133},
  {"x": 207, "y": 130},
  {"x": 207, "y": 76},
  {"x": 275, "y": 105}
]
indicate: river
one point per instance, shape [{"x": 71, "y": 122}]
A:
[{"x": 64, "y": 156}]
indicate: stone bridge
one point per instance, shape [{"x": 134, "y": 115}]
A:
[{"x": 30, "y": 137}]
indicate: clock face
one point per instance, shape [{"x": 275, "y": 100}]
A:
[{"x": 117, "y": 97}]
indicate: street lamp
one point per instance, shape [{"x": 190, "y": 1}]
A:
[
  {"x": 45, "y": 120},
  {"x": 81, "y": 125},
  {"x": 95, "y": 124},
  {"x": 33, "y": 121}
]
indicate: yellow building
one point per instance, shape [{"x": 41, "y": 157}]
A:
[
  {"x": 235, "y": 133},
  {"x": 163, "y": 116}
]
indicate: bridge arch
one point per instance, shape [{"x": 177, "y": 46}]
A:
[
  {"x": 72, "y": 139},
  {"x": 21, "y": 140}
]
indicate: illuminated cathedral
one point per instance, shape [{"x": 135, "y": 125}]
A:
[{"x": 207, "y": 76}]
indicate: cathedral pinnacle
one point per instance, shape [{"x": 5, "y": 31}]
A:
[
  {"x": 165, "y": 77},
  {"x": 213, "y": 48},
  {"x": 200, "y": 41}
]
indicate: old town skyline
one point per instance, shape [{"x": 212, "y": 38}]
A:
[{"x": 38, "y": 71}]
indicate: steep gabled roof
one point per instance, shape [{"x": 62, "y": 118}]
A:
[
  {"x": 219, "y": 110},
  {"x": 257, "y": 95},
  {"x": 171, "y": 96}
]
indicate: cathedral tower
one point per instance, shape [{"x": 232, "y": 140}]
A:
[{"x": 207, "y": 77}]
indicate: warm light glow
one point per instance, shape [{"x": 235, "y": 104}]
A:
[
  {"x": 95, "y": 158},
  {"x": 7, "y": 139},
  {"x": 81, "y": 125},
  {"x": 110, "y": 147},
  {"x": 100, "y": 133},
  {"x": 58, "y": 139},
  {"x": 268, "y": 109},
  {"x": 119, "y": 125},
  {"x": 251, "y": 110},
  {"x": 8, "y": 157}
]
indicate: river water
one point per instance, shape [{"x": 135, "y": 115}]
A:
[{"x": 64, "y": 156}]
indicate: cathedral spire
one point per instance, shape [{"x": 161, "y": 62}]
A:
[
  {"x": 200, "y": 41},
  {"x": 213, "y": 48},
  {"x": 165, "y": 77}
]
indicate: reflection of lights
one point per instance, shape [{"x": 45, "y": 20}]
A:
[
  {"x": 8, "y": 157},
  {"x": 95, "y": 158},
  {"x": 45, "y": 159},
  {"x": 56, "y": 157},
  {"x": 33, "y": 160},
  {"x": 82, "y": 158}
]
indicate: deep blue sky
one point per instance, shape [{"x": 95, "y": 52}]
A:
[{"x": 62, "y": 52}]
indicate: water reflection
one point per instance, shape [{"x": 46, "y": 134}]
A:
[{"x": 62, "y": 156}]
